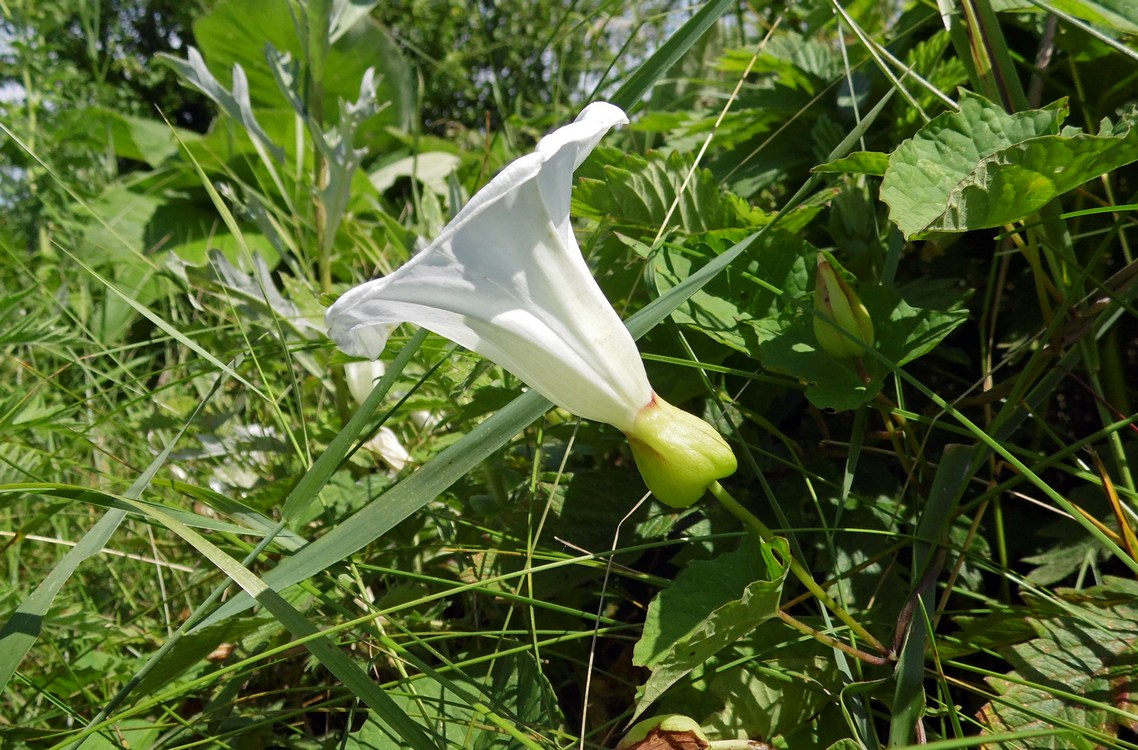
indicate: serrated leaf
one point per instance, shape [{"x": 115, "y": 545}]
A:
[
  {"x": 712, "y": 604},
  {"x": 740, "y": 307},
  {"x": 638, "y": 192},
  {"x": 926, "y": 168},
  {"x": 1088, "y": 649},
  {"x": 980, "y": 167}
]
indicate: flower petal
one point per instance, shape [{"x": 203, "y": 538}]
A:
[
  {"x": 506, "y": 279},
  {"x": 361, "y": 378},
  {"x": 385, "y": 446}
]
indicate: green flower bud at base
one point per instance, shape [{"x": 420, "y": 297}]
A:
[
  {"x": 678, "y": 454},
  {"x": 836, "y": 305},
  {"x": 669, "y": 731}
]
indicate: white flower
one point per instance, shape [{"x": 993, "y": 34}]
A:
[
  {"x": 506, "y": 279},
  {"x": 361, "y": 378},
  {"x": 384, "y": 445}
]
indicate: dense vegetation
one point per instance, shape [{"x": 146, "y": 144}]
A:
[{"x": 930, "y": 537}]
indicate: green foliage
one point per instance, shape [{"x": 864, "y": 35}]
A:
[
  {"x": 186, "y": 187},
  {"x": 1077, "y": 671},
  {"x": 711, "y": 604},
  {"x": 513, "y": 686},
  {"x": 982, "y": 168}
]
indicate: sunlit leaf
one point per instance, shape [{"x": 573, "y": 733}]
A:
[{"x": 981, "y": 167}]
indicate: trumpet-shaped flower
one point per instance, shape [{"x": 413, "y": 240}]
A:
[{"x": 506, "y": 279}]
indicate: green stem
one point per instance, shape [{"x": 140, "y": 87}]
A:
[
  {"x": 832, "y": 642},
  {"x": 760, "y": 529}
]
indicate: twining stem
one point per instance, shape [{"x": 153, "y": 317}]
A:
[
  {"x": 845, "y": 648},
  {"x": 761, "y": 530}
]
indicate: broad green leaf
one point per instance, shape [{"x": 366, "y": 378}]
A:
[
  {"x": 131, "y": 225},
  {"x": 1080, "y": 670},
  {"x": 908, "y": 322},
  {"x": 1119, "y": 15},
  {"x": 924, "y": 170},
  {"x": 766, "y": 686},
  {"x": 147, "y": 140},
  {"x": 237, "y": 31},
  {"x": 981, "y": 168},
  {"x": 741, "y": 307},
  {"x": 712, "y": 604},
  {"x": 432, "y": 168}
]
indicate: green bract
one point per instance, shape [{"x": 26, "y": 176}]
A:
[{"x": 678, "y": 454}]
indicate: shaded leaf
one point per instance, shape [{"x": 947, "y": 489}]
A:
[
  {"x": 740, "y": 307},
  {"x": 1080, "y": 669},
  {"x": 712, "y": 604},
  {"x": 520, "y": 693},
  {"x": 905, "y": 331}
]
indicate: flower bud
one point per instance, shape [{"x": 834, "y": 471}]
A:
[
  {"x": 678, "y": 454},
  {"x": 837, "y": 306},
  {"x": 361, "y": 377},
  {"x": 670, "y": 730}
]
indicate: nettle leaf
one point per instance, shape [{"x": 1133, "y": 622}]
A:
[
  {"x": 740, "y": 307},
  {"x": 712, "y": 604},
  {"x": 760, "y": 306},
  {"x": 1087, "y": 648},
  {"x": 637, "y": 192},
  {"x": 981, "y": 167},
  {"x": 909, "y": 322}
]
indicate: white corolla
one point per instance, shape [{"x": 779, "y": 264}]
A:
[{"x": 506, "y": 279}]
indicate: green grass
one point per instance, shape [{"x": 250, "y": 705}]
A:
[{"x": 201, "y": 550}]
